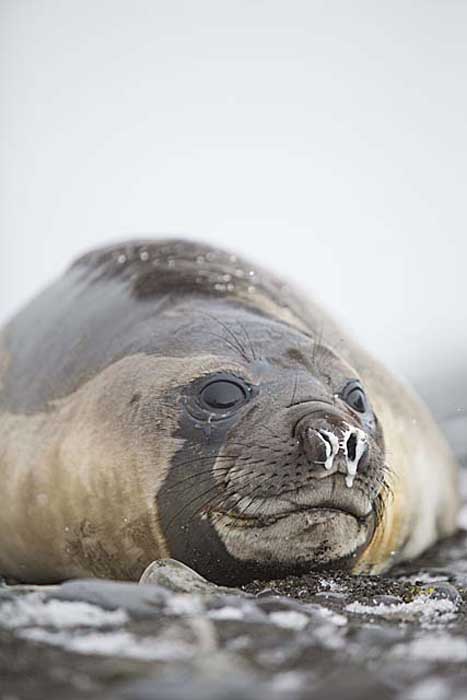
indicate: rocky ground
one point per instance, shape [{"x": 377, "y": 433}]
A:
[{"x": 329, "y": 636}]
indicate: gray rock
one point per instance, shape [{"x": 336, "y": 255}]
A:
[
  {"x": 140, "y": 601},
  {"x": 180, "y": 689},
  {"x": 442, "y": 589},
  {"x": 178, "y": 577}
]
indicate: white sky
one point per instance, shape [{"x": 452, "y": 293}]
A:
[{"x": 324, "y": 139}]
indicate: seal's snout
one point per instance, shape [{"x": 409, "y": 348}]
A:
[{"x": 332, "y": 446}]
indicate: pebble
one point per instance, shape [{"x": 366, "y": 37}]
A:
[
  {"x": 442, "y": 589},
  {"x": 179, "y": 578}
]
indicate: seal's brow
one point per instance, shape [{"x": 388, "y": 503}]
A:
[{"x": 230, "y": 335}]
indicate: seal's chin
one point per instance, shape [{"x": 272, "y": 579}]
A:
[{"x": 299, "y": 537}]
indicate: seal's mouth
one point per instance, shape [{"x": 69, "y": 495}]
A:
[
  {"x": 319, "y": 525},
  {"x": 322, "y": 499},
  {"x": 297, "y": 540},
  {"x": 241, "y": 520}
]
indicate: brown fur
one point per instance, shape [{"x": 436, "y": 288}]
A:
[{"x": 81, "y": 477}]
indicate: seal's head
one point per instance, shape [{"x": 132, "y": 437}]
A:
[{"x": 281, "y": 467}]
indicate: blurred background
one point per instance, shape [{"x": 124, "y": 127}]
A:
[{"x": 326, "y": 140}]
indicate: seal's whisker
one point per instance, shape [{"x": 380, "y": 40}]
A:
[
  {"x": 214, "y": 456},
  {"x": 260, "y": 500},
  {"x": 292, "y": 400},
  {"x": 381, "y": 498},
  {"x": 226, "y": 495},
  {"x": 250, "y": 494},
  {"x": 214, "y": 470},
  {"x": 235, "y": 338},
  {"x": 233, "y": 344},
  {"x": 225, "y": 340},
  {"x": 221, "y": 493},
  {"x": 250, "y": 344},
  {"x": 227, "y": 471},
  {"x": 318, "y": 346},
  {"x": 385, "y": 483},
  {"x": 254, "y": 446},
  {"x": 239, "y": 346},
  {"x": 379, "y": 508},
  {"x": 266, "y": 427},
  {"x": 213, "y": 487},
  {"x": 204, "y": 507}
]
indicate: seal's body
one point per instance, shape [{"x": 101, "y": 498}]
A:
[{"x": 168, "y": 399}]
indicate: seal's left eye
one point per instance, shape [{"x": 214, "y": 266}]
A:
[
  {"x": 223, "y": 394},
  {"x": 355, "y": 397}
]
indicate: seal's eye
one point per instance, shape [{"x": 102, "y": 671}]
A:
[
  {"x": 355, "y": 397},
  {"x": 223, "y": 394}
]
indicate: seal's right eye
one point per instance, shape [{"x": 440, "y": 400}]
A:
[{"x": 224, "y": 394}]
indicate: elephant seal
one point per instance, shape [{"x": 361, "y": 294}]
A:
[{"x": 168, "y": 399}]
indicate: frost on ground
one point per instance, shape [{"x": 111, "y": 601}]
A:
[
  {"x": 438, "y": 648},
  {"x": 32, "y": 609},
  {"x": 121, "y": 644},
  {"x": 429, "y": 611},
  {"x": 290, "y": 619}
]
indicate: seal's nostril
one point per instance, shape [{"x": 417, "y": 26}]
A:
[
  {"x": 355, "y": 446},
  {"x": 345, "y": 450},
  {"x": 323, "y": 434},
  {"x": 331, "y": 443},
  {"x": 351, "y": 447}
]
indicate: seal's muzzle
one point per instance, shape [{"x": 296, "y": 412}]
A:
[{"x": 332, "y": 445}]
